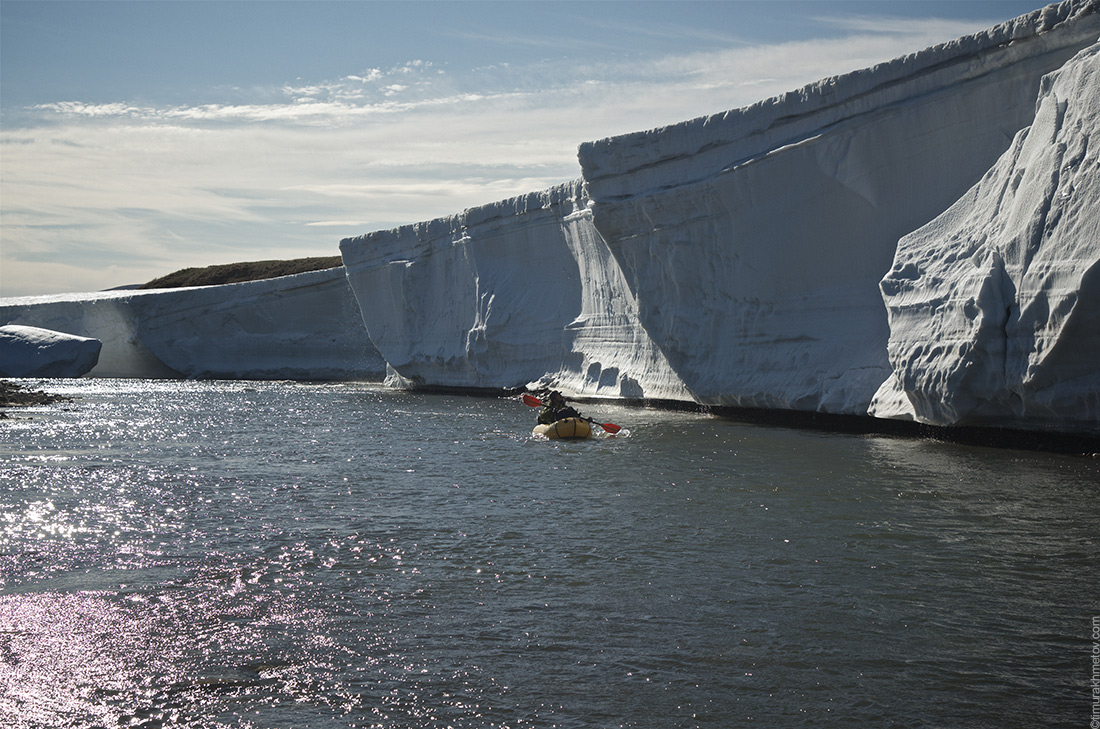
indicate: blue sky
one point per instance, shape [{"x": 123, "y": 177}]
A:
[{"x": 137, "y": 138}]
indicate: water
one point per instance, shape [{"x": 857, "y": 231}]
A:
[{"x": 291, "y": 555}]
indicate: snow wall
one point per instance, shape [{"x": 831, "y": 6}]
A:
[
  {"x": 731, "y": 260},
  {"x": 754, "y": 240},
  {"x": 520, "y": 292},
  {"x": 994, "y": 307},
  {"x": 305, "y": 326}
]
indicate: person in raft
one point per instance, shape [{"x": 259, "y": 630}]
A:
[{"x": 556, "y": 409}]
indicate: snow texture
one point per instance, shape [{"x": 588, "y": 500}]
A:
[
  {"x": 519, "y": 292},
  {"x": 729, "y": 260},
  {"x": 305, "y": 326},
  {"x": 994, "y": 306},
  {"x": 754, "y": 240},
  {"x": 35, "y": 352}
]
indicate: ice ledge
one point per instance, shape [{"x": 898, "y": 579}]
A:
[
  {"x": 616, "y": 168},
  {"x": 36, "y": 352}
]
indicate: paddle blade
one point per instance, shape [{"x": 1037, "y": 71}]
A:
[
  {"x": 609, "y": 427},
  {"x": 532, "y": 401}
]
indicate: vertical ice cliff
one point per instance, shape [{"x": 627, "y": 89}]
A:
[
  {"x": 753, "y": 241},
  {"x": 504, "y": 295},
  {"x": 305, "y": 326},
  {"x": 994, "y": 307}
]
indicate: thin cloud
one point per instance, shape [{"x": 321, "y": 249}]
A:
[
  {"x": 278, "y": 169},
  {"x": 417, "y": 86},
  {"x": 674, "y": 31},
  {"x": 940, "y": 28}
]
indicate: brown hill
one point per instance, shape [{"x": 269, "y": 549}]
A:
[{"x": 238, "y": 272}]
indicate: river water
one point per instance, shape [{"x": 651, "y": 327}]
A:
[{"x": 235, "y": 554}]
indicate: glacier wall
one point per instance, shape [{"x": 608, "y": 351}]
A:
[
  {"x": 514, "y": 293},
  {"x": 305, "y": 326},
  {"x": 728, "y": 260},
  {"x": 746, "y": 259},
  {"x": 753, "y": 241},
  {"x": 994, "y": 306}
]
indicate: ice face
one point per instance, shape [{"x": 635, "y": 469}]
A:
[
  {"x": 305, "y": 326},
  {"x": 36, "y": 352},
  {"x": 523, "y": 291},
  {"x": 994, "y": 306},
  {"x": 754, "y": 240},
  {"x": 730, "y": 260}
]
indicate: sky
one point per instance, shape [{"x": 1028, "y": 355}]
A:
[{"x": 139, "y": 138}]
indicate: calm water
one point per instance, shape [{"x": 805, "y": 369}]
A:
[{"x": 292, "y": 555}]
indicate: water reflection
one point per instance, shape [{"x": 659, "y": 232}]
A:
[
  {"x": 274, "y": 554},
  {"x": 69, "y": 660}
]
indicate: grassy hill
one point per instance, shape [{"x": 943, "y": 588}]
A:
[{"x": 238, "y": 272}]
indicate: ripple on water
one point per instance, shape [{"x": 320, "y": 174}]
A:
[{"x": 275, "y": 554}]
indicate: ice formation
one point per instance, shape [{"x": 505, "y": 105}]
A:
[
  {"x": 305, "y": 326},
  {"x": 36, "y": 352},
  {"x": 730, "y": 260},
  {"x": 736, "y": 259},
  {"x": 518, "y": 292},
  {"x": 754, "y": 240},
  {"x": 994, "y": 307}
]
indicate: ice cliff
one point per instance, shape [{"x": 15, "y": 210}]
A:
[
  {"x": 305, "y": 326},
  {"x": 730, "y": 260},
  {"x": 748, "y": 259},
  {"x": 994, "y": 307},
  {"x": 754, "y": 240},
  {"x": 518, "y": 292},
  {"x": 35, "y": 352}
]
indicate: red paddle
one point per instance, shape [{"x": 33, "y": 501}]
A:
[{"x": 536, "y": 403}]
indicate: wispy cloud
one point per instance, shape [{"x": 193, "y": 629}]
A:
[
  {"x": 937, "y": 29},
  {"x": 287, "y": 171},
  {"x": 337, "y": 224}
]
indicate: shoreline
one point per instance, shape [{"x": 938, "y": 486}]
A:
[
  {"x": 19, "y": 396},
  {"x": 14, "y": 395},
  {"x": 1045, "y": 440}
]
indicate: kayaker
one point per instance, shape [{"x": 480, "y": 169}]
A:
[{"x": 556, "y": 409}]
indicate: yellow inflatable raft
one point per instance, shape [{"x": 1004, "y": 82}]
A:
[{"x": 565, "y": 428}]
